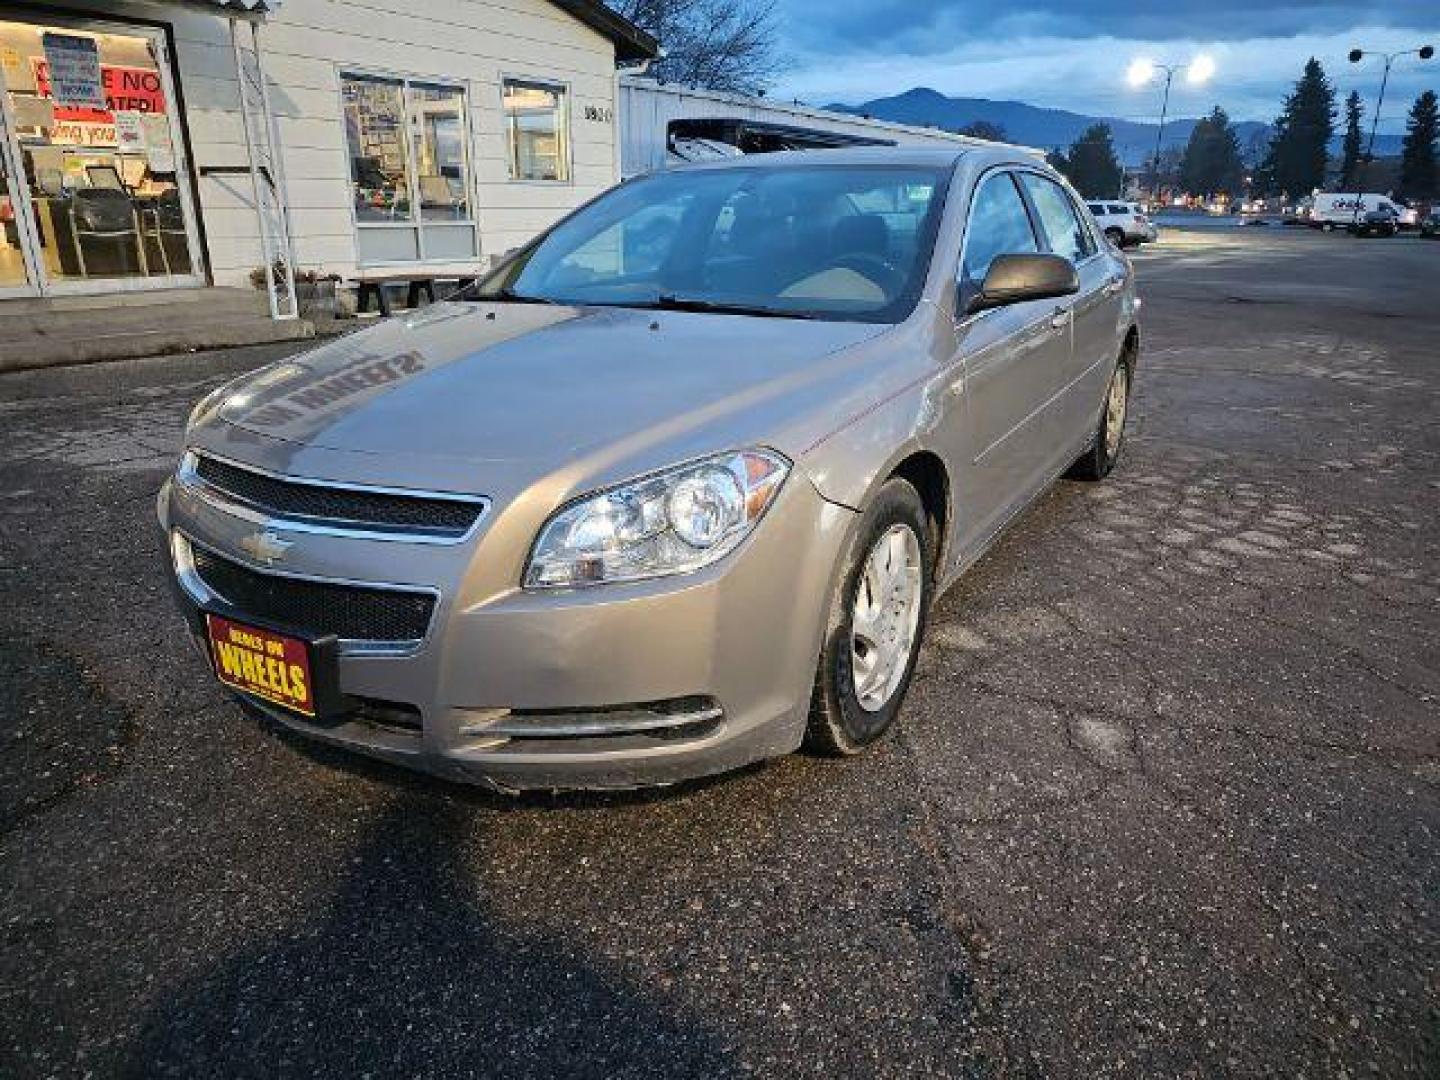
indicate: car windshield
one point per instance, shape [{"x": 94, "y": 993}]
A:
[{"x": 822, "y": 241}]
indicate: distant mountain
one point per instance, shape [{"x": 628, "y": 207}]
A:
[{"x": 1047, "y": 128}]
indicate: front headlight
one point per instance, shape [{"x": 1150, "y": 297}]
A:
[{"x": 670, "y": 522}]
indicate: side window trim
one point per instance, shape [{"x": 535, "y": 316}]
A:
[
  {"x": 1041, "y": 235},
  {"x": 1010, "y": 173}
]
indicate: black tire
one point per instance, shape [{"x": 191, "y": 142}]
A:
[
  {"x": 839, "y": 725},
  {"x": 1098, "y": 461},
  {"x": 1115, "y": 236}
]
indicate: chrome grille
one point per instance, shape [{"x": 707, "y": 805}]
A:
[
  {"x": 317, "y": 608},
  {"x": 341, "y": 506}
]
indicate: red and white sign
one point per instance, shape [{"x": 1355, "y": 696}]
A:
[{"x": 127, "y": 89}]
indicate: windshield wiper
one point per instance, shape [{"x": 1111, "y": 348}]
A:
[
  {"x": 671, "y": 302},
  {"x": 510, "y": 296}
]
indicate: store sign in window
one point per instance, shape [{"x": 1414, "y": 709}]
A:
[
  {"x": 73, "y": 65},
  {"x": 537, "y": 131},
  {"x": 122, "y": 89}
]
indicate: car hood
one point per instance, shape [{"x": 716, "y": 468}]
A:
[{"x": 540, "y": 384}]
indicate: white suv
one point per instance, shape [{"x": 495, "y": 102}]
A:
[{"x": 1124, "y": 223}]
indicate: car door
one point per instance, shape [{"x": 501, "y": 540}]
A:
[
  {"x": 1094, "y": 311},
  {"x": 1007, "y": 362}
]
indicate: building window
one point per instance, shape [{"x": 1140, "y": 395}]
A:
[
  {"x": 437, "y": 134},
  {"x": 409, "y": 169},
  {"x": 538, "y": 130}
]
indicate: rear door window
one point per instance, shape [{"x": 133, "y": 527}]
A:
[
  {"x": 999, "y": 225},
  {"x": 1065, "y": 234}
]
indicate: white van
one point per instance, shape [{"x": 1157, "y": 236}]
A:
[{"x": 1337, "y": 211}]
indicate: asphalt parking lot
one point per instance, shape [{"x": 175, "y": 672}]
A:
[{"x": 1165, "y": 801}]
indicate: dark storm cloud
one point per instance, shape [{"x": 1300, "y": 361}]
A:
[
  {"x": 926, "y": 28},
  {"x": 1074, "y": 55}
]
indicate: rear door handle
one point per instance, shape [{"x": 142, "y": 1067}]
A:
[
  {"x": 1113, "y": 286},
  {"x": 1060, "y": 318}
]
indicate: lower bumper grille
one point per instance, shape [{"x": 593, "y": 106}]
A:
[{"x": 316, "y": 608}]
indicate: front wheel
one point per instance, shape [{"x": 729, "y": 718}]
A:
[
  {"x": 1096, "y": 462},
  {"x": 877, "y": 618},
  {"x": 1115, "y": 236}
]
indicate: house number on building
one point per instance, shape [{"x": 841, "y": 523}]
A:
[{"x": 601, "y": 114}]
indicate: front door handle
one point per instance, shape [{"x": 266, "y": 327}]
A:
[
  {"x": 1113, "y": 286},
  {"x": 1060, "y": 318}
]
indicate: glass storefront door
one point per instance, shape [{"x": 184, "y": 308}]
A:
[
  {"x": 92, "y": 159},
  {"x": 15, "y": 272}
]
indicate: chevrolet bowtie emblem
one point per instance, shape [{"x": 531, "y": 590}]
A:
[{"x": 266, "y": 547}]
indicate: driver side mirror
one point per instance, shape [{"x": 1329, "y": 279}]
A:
[{"x": 1013, "y": 279}]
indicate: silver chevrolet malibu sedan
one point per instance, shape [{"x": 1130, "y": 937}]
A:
[{"x": 674, "y": 489}]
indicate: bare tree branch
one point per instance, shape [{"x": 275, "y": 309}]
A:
[{"x": 725, "y": 45}]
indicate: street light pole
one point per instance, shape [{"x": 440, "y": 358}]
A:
[
  {"x": 1143, "y": 71},
  {"x": 1169, "y": 70},
  {"x": 1425, "y": 52}
]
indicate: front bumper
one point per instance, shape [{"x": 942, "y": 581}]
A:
[{"x": 622, "y": 685}]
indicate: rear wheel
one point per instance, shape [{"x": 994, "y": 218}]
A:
[
  {"x": 877, "y": 617},
  {"x": 1096, "y": 462}
]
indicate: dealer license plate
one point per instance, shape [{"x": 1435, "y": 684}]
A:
[{"x": 272, "y": 666}]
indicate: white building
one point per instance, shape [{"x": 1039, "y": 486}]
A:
[
  {"x": 384, "y": 135},
  {"x": 655, "y": 117}
]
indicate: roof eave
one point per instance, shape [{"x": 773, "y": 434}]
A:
[{"x": 631, "y": 43}]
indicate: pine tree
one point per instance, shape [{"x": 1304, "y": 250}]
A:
[
  {"x": 984, "y": 129},
  {"x": 1419, "y": 175},
  {"x": 1091, "y": 164},
  {"x": 1350, "y": 160},
  {"x": 1212, "y": 164},
  {"x": 1300, "y": 149}
]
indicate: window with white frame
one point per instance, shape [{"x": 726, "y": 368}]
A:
[
  {"x": 409, "y": 168},
  {"x": 537, "y": 130}
]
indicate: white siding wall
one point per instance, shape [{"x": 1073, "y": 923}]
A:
[{"x": 471, "y": 42}]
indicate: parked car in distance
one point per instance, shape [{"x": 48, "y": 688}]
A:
[
  {"x": 1124, "y": 223},
  {"x": 1430, "y": 224},
  {"x": 1382, "y": 222},
  {"x": 675, "y": 488},
  {"x": 1339, "y": 211}
]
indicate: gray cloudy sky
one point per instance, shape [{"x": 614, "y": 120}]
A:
[{"x": 1073, "y": 55}]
